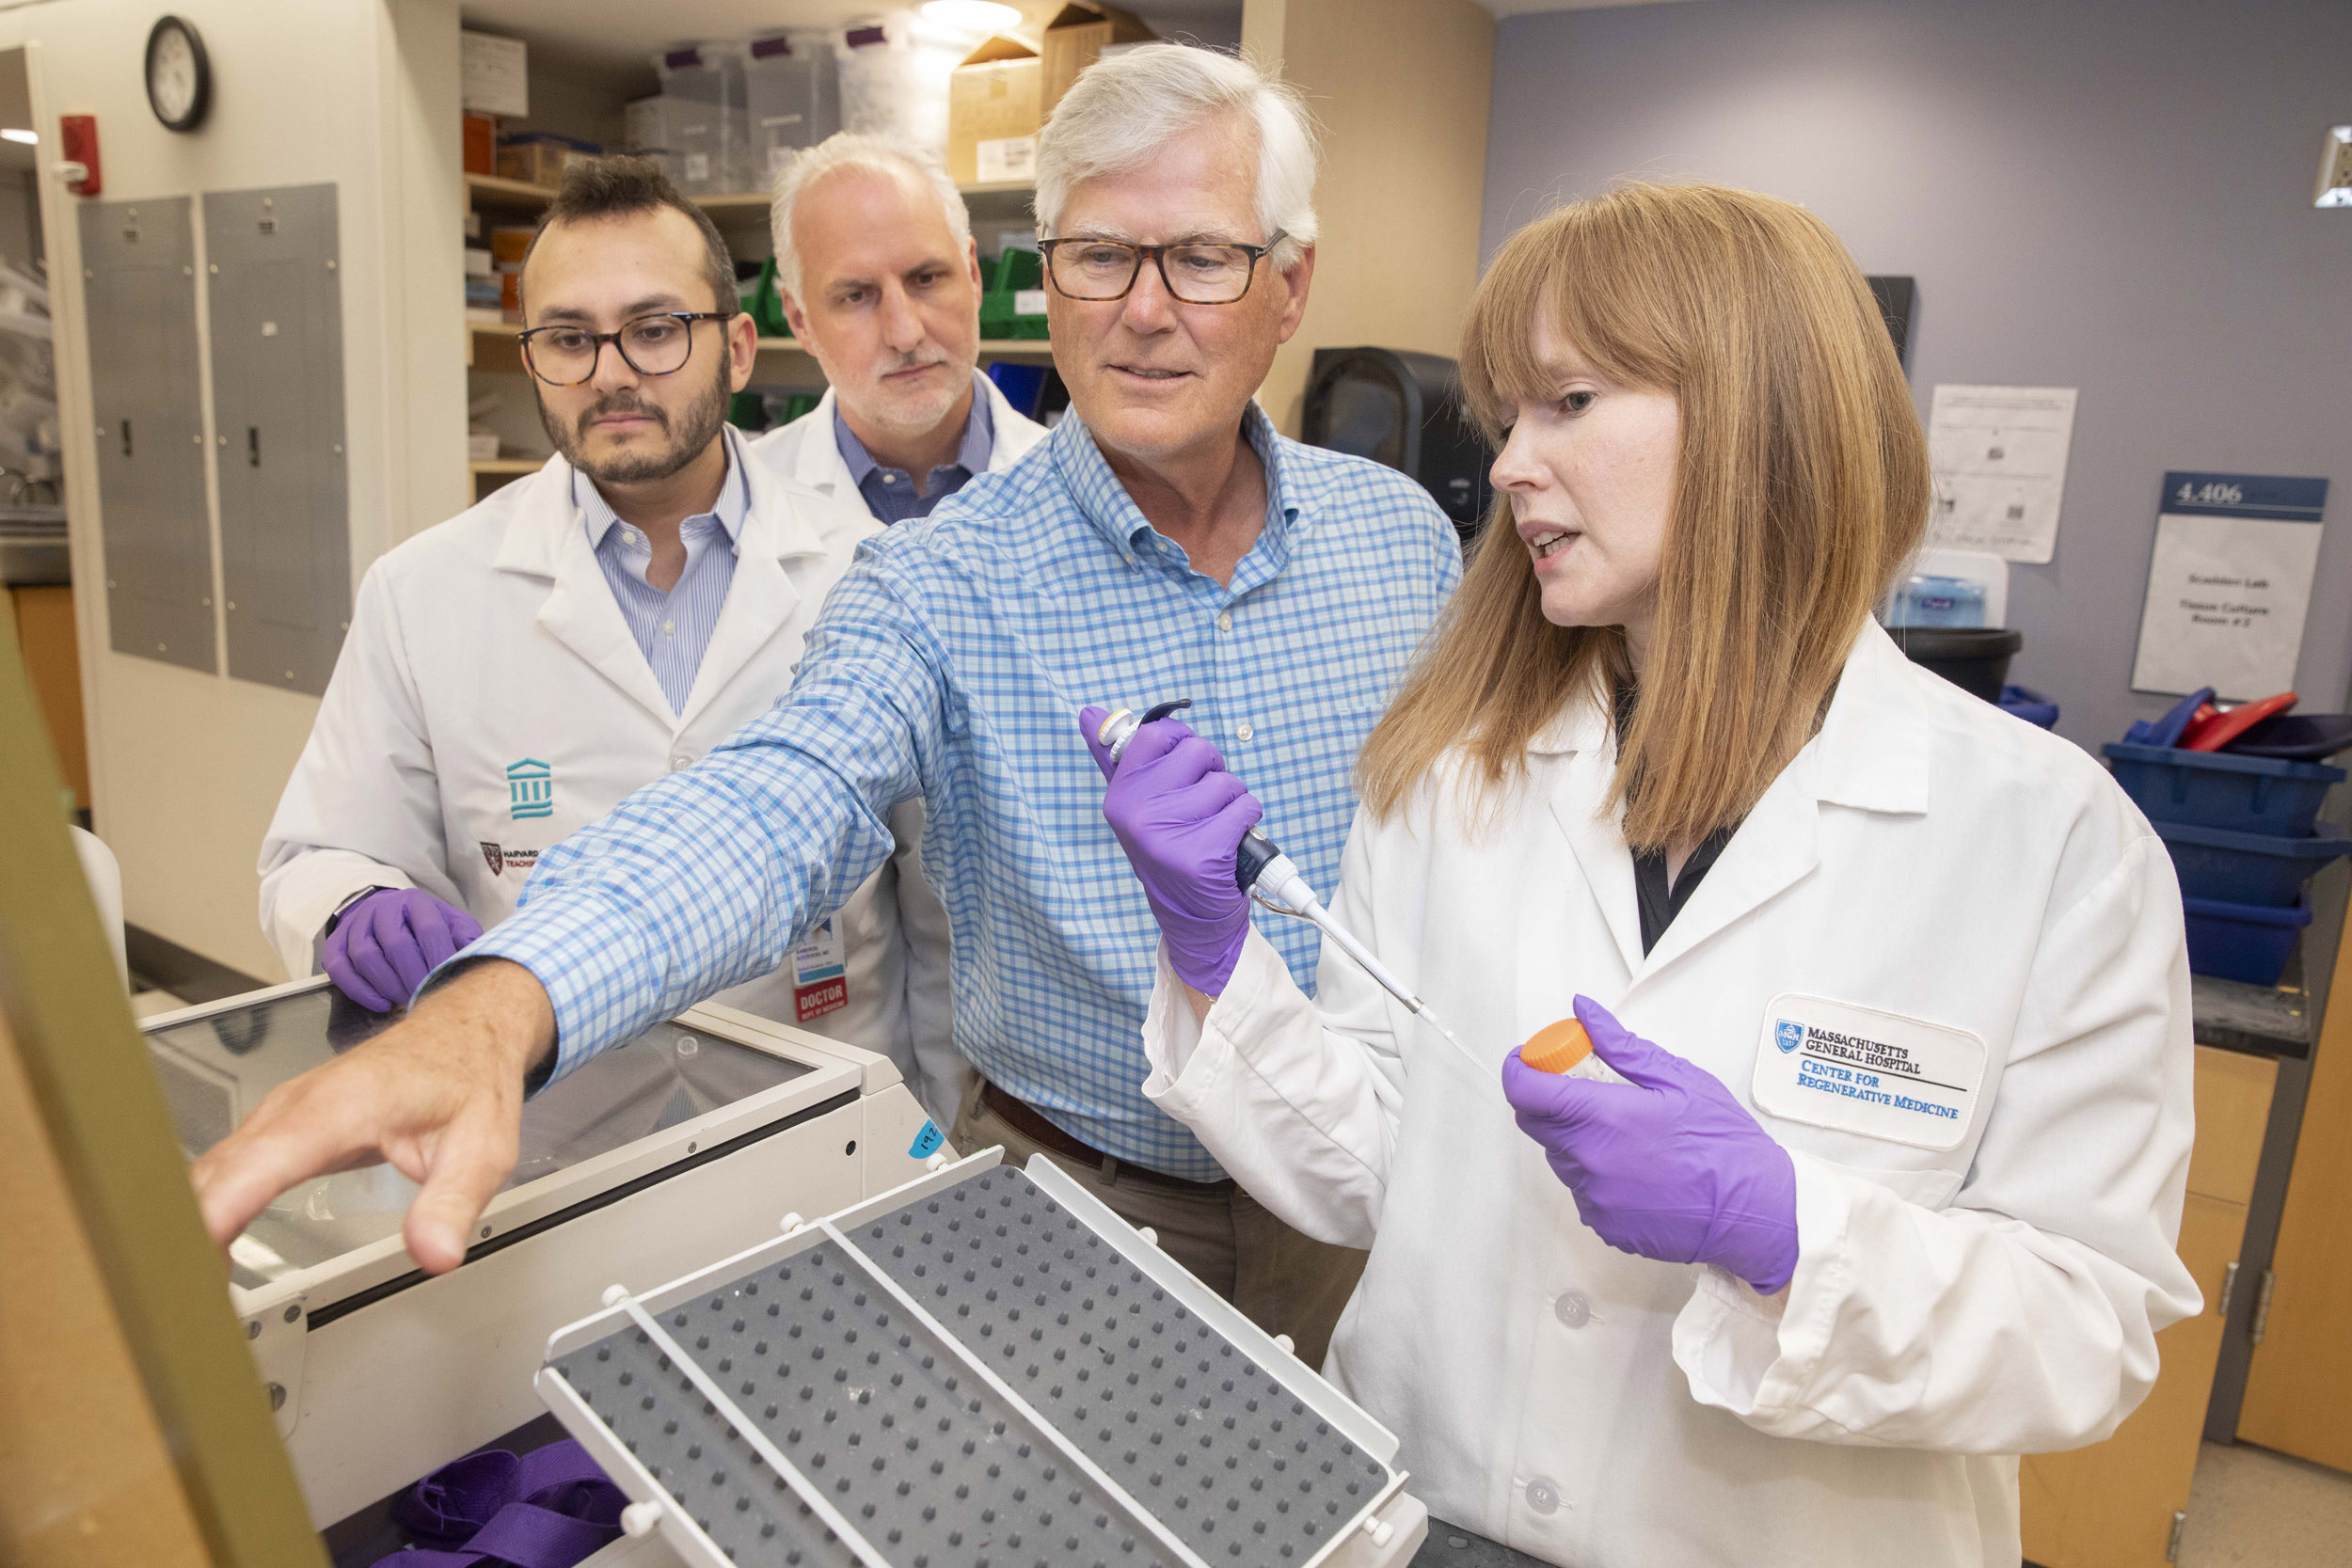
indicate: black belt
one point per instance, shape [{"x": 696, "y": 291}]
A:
[{"x": 1030, "y": 1123}]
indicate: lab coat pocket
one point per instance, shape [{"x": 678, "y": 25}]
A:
[{"x": 1927, "y": 1188}]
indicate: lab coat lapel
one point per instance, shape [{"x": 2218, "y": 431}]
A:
[
  {"x": 816, "y": 462},
  {"x": 762, "y": 598},
  {"x": 1585, "y": 758},
  {"x": 1772, "y": 850},
  {"x": 1871, "y": 754},
  {"x": 548, "y": 537}
]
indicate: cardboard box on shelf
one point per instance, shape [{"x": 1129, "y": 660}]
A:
[
  {"x": 541, "y": 158},
  {"x": 994, "y": 112},
  {"x": 1077, "y": 37},
  {"x": 509, "y": 242}
]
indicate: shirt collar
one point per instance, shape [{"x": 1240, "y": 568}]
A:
[
  {"x": 733, "y": 506},
  {"x": 972, "y": 454},
  {"x": 1105, "y": 504}
]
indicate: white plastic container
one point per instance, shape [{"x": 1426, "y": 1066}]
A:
[
  {"x": 706, "y": 132},
  {"x": 894, "y": 80},
  {"x": 793, "y": 95}
]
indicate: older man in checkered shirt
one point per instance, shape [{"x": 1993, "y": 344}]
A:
[{"x": 1164, "y": 542}]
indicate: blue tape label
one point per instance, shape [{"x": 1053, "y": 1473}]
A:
[{"x": 926, "y": 1141}]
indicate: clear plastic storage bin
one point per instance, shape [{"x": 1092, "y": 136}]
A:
[
  {"x": 704, "y": 122},
  {"x": 1928, "y": 600},
  {"x": 793, "y": 95}
]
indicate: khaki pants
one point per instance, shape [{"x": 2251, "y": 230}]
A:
[{"x": 1283, "y": 1281}]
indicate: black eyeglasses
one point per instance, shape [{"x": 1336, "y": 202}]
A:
[
  {"x": 1196, "y": 272},
  {"x": 650, "y": 346}
]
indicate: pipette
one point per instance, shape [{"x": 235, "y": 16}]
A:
[{"x": 1262, "y": 872}]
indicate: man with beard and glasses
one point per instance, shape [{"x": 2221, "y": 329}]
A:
[{"x": 513, "y": 673}]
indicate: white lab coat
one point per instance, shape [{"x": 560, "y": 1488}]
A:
[
  {"x": 807, "y": 453},
  {"x": 1926, "y": 855},
  {"x": 493, "y": 642}
]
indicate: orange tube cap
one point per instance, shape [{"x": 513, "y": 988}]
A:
[{"x": 1557, "y": 1047}]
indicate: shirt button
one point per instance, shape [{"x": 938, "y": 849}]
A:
[
  {"x": 681, "y": 761},
  {"x": 1244, "y": 730},
  {"x": 1572, "y": 1310},
  {"x": 1543, "y": 1497},
  {"x": 893, "y": 479},
  {"x": 1224, "y": 621},
  {"x": 669, "y": 629}
]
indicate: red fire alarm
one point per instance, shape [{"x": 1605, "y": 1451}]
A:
[{"x": 77, "y": 144}]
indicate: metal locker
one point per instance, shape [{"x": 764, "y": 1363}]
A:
[
  {"x": 138, "y": 260},
  {"x": 277, "y": 415}
]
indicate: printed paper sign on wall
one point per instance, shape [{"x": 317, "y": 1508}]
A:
[
  {"x": 1999, "y": 456},
  {"x": 2229, "y": 584}
]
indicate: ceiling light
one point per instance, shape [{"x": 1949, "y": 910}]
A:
[
  {"x": 977, "y": 16},
  {"x": 30, "y": 138}
]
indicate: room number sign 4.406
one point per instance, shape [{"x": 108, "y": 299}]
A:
[{"x": 2210, "y": 495}]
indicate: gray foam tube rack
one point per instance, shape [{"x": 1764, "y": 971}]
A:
[{"x": 982, "y": 1369}]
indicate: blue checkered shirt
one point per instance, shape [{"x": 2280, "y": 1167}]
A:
[
  {"x": 671, "y": 630},
  {"x": 951, "y": 662}
]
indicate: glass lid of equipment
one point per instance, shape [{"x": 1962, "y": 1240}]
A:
[{"x": 215, "y": 1069}]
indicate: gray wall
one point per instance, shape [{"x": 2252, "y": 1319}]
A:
[{"x": 2093, "y": 193}]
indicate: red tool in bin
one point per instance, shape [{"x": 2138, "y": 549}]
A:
[{"x": 2211, "y": 728}]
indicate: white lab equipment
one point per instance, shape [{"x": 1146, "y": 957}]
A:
[
  {"x": 681, "y": 1145},
  {"x": 859, "y": 1380},
  {"x": 104, "y": 875}
]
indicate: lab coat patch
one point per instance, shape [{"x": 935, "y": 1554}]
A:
[
  {"x": 1832, "y": 1064},
  {"x": 820, "y": 983}
]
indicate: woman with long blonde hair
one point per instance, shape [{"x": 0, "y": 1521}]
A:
[{"x": 1880, "y": 1187}]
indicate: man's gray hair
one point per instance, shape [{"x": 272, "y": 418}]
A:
[
  {"x": 854, "y": 150},
  {"x": 1122, "y": 111}
]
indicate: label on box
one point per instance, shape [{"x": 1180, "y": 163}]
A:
[
  {"x": 1028, "y": 302},
  {"x": 698, "y": 167},
  {"x": 821, "y": 982},
  {"x": 1005, "y": 158}
]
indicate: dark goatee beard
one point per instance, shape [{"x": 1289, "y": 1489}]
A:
[{"x": 697, "y": 428}]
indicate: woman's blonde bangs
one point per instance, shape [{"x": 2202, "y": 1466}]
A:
[
  {"x": 1568, "y": 267},
  {"x": 1802, "y": 483}
]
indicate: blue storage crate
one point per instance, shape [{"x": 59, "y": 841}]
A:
[
  {"x": 2247, "y": 869},
  {"x": 2222, "y": 790},
  {"x": 2242, "y": 941}
]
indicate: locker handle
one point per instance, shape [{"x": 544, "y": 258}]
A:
[
  {"x": 126, "y": 437},
  {"x": 253, "y": 446}
]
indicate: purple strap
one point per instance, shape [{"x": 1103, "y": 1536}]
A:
[{"x": 549, "y": 1509}]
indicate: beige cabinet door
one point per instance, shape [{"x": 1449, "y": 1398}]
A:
[
  {"x": 2298, "y": 1386},
  {"x": 2111, "y": 1505}
]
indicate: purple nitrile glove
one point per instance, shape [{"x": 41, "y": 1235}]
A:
[
  {"x": 1180, "y": 816},
  {"x": 383, "y": 946},
  {"x": 1667, "y": 1165}
]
